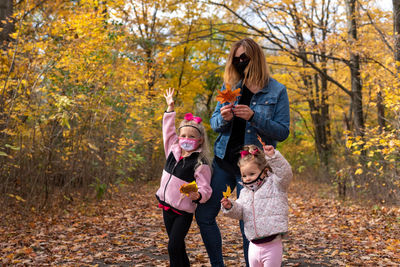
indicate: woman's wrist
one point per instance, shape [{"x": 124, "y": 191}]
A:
[{"x": 251, "y": 117}]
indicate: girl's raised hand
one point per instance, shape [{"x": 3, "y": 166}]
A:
[
  {"x": 169, "y": 98},
  {"x": 269, "y": 150}
]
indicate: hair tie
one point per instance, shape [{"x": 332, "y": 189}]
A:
[
  {"x": 244, "y": 153},
  {"x": 254, "y": 151},
  {"x": 190, "y": 117}
]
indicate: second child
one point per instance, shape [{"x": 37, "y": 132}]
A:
[{"x": 263, "y": 203}]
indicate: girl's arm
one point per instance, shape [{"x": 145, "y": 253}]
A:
[
  {"x": 169, "y": 132},
  {"x": 281, "y": 168},
  {"x": 217, "y": 122},
  {"x": 278, "y": 127},
  {"x": 236, "y": 212},
  {"x": 202, "y": 175},
  {"x": 168, "y": 127}
]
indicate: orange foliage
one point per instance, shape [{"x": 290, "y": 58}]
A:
[{"x": 228, "y": 95}]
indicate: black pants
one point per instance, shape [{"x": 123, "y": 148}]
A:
[{"x": 177, "y": 227}]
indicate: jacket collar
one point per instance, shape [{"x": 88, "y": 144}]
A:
[{"x": 265, "y": 89}]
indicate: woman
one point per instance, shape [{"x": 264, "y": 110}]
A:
[{"x": 263, "y": 110}]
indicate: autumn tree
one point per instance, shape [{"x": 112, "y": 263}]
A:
[
  {"x": 396, "y": 29},
  {"x": 330, "y": 47}
]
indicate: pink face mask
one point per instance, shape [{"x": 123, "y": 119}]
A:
[{"x": 188, "y": 144}]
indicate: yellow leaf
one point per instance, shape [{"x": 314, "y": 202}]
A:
[
  {"x": 19, "y": 198},
  {"x": 228, "y": 192},
  {"x": 359, "y": 171},
  {"x": 187, "y": 188}
]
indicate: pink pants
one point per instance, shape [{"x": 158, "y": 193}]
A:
[{"x": 266, "y": 254}]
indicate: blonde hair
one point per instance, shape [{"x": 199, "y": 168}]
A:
[
  {"x": 256, "y": 155},
  {"x": 256, "y": 73},
  {"x": 205, "y": 148}
]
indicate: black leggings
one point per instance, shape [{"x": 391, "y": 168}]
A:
[{"x": 177, "y": 227}]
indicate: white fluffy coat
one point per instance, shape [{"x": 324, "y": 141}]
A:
[{"x": 265, "y": 211}]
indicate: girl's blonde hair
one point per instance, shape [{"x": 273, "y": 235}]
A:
[
  {"x": 205, "y": 148},
  {"x": 252, "y": 153},
  {"x": 256, "y": 73}
]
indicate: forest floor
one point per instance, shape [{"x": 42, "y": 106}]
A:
[{"x": 126, "y": 229}]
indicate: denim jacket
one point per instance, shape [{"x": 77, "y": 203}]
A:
[{"x": 271, "y": 118}]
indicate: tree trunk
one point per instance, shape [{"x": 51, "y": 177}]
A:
[
  {"x": 6, "y": 11},
  {"x": 6, "y": 27},
  {"x": 317, "y": 95},
  {"x": 396, "y": 31},
  {"x": 381, "y": 110},
  {"x": 356, "y": 86}
]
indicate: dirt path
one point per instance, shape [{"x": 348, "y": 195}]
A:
[{"x": 127, "y": 230}]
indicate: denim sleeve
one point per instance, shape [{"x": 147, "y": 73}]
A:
[
  {"x": 276, "y": 128},
  {"x": 218, "y": 124}
]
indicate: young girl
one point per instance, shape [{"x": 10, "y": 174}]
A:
[
  {"x": 187, "y": 161},
  {"x": 263, "y": 203}
]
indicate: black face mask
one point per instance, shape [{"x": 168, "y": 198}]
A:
[
  {"x": 255, "y": 184},
  {"x": 240, "y": 63}
]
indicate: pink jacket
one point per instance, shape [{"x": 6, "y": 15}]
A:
[{"x": 178, "y": 171}]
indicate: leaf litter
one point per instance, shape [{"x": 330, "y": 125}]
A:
[{"x": 127, "y": 230}]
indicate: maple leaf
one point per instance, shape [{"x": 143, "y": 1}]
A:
[
  {"x": 187, "y": 188},
  {"x": 261, "y": 141},
  {"x": 228, "y": 95},
  {"x": 228, "y": 192}
]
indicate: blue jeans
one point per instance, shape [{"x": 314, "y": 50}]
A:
[{"x": 207, "y": 212}]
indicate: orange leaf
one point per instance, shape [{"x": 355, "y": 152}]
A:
[
  {"x": 228, "y": 95},
  {"x": 261, "y": 141}
]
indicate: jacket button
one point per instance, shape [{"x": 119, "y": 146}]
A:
[
  {"x": 248, "y": 131},
  {"x": 266, "y": 102},
  {"x": 254, "y": 103}
]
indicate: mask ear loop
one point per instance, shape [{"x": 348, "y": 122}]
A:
[{"x": 258, "y": 177}]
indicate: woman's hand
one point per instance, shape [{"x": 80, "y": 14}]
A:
[
  {"x": 169, "y": 98},
  {"x": 226, "y": 112},
  {"x": 226, "y": 203},
  {"x": 269, "y": 150},
  {"x": 243, "y": 111}
]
